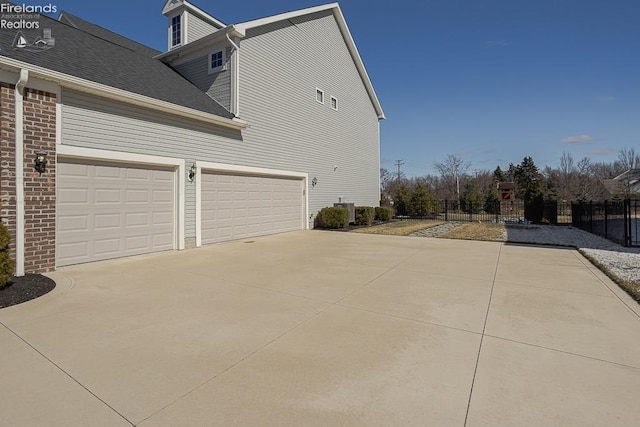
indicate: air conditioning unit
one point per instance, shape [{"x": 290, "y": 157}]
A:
[{"x": 350, "y": 207}]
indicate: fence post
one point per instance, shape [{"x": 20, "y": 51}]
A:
[
  {"x": 627, "y": 222},
  {"x": 496, "y": 208},
  {"x": 606, "y": 220},
  {"x": 590, "y": 216},
  {"x": 446, "y": 210}
]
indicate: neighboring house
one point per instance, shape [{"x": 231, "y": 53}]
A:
[
  {"x": 236, "y": 131},
  {"x": 625, "y": 185}
]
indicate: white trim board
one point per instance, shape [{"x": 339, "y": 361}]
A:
[
  {"x": 69, "y": 151},
  {"x": 245, "y": 170},
  {"x": 109, "y": 92}
]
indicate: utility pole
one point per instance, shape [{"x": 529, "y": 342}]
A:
[{"x": 398, "y": 164}]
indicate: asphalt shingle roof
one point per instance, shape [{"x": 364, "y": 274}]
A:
[
  {"x": 98, "y": 59},
  {"x": 107, "y": 35}
]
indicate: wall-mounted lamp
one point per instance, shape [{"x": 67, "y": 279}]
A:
[
  {"x": 314, "y": 182},
  {"x": 335, "y": 168},
  {"x": 192, "y": 173},
  {"x": 40, "y": 162}
]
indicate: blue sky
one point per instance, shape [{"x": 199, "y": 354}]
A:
[{"x": 489, "y": 80}]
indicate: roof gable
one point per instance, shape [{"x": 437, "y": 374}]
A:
[
  {"x": 344, "y": 29},
  {"x": 173, "y": 5}
]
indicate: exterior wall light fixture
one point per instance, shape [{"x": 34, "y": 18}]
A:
[
  {"x": 192, "y": 173},
  {"x": 40, "y": 162}
]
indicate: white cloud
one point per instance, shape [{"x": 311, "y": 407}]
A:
[{"x": 578, "y": 139}]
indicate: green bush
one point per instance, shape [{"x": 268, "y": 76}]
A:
[
  {"x": 332, "y": 218},
  {"x": 7, "y": 265},
  {"x": 383, "y": 213},
  {"x": 365, "y": 215}
]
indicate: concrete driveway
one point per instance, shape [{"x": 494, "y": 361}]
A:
[{"x": 324, "y": 328}]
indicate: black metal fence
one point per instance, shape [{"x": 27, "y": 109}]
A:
[
  {"x": 498, "y": 211},
  {"x": 615, "y": 220}
]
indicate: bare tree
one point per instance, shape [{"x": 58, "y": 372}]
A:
[
  {"x": 451, "y": 170},
  {"x": 629, "y": 160}
]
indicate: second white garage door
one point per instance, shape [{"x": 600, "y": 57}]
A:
[
  {"x": 240, "y": 206},
  {"x": 110, "y": 210}
]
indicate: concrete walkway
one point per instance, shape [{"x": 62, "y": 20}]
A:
[{"x": 324, "y": 328}]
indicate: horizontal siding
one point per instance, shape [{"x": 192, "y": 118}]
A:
[
  {"x": 217, "y": 85},
  {"x": 190, "y": 205},
  {"x": 197, "y": 28},
  {"x": 277, "y": 97},
  {"x": 288, "y": 129}
]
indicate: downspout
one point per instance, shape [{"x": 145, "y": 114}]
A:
[
  {"x": 19, "y": 131},
  {"x": 236, "y": 76}
]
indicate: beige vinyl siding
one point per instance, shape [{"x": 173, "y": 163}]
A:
[
  {"x": 218, "y": 84},
  {"x": 197, "y": 28},
  {"x": 280, "y": 67},
  {"x": 190, "y": 200},
  {"x": 92, "y": 122}
]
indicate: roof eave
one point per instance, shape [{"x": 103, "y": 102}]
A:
[
  {"x": 72, "y": 82},
  {"x": 200, "y": 43}
]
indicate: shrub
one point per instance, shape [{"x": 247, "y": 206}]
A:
[
  {"x": 365, "y": 215},
  {"x": 402, "y": 199},
  {"x": 333, "y": 218},
  {"x": 7, "y": 265},
  {"x": 383, "y": 213}
]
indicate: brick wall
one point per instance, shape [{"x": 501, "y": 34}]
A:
[
  {"x": 39, "y": 189},
  {"x": 8, "y": 162}
]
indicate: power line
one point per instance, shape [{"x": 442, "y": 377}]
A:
[{"x": 398, "y": 164}]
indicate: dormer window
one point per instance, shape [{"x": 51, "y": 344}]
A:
[
  {"x": 176, "y": 30},
  {"x": 216, "y": 61}
]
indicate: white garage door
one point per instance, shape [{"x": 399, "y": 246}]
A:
[
  {"x": 108, "y": 210},
  {"x": 238, "y": 206}
]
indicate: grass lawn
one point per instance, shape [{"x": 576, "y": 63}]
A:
[
  {"x": 398, "y": 228},
  {"x": 478, "y": 231}
]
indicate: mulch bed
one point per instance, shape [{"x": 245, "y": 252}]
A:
[{"x": 25, "y": 288}]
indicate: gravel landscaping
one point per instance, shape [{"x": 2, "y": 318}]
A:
[{"x": 622, "y": 264}]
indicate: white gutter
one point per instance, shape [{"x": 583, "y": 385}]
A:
[
  {"x": 19, "y": 148},
  {"x": 236, "y": 77},
  {"x": 122, "y": 95}
]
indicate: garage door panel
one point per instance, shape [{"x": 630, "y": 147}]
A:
[
  {"x": 109, "y": 196},
  {"x": 137, "y": 196},
  {"x": 107, "y": 246},
  {"x": 237, "y": 206},
  {"x": 108, "y": 210},
  {"x": 106, "y": 221}
]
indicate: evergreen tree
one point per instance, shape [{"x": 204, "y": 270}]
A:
[
  {"x": 402, "y": 199},
  {"x": 529, "y": 180}
]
